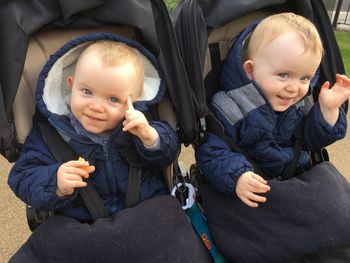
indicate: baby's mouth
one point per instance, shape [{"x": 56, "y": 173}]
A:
[
  {"x": 284, "y": 98},
  {"x": 93, "y": 118}
]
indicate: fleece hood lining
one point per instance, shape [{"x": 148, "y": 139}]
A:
[{"x": 57, "y": 95}]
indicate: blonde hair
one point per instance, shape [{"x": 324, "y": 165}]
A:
[
  {"x": 278, "y": 24},
  {"x": 114, "y": 53}
]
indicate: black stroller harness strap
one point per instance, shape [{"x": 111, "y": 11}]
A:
[
  {"x": 292, "y": 169},
  {"x": 63, "y": 152},
  {"x": 134, "y": 181}
]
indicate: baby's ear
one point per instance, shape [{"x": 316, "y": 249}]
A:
[
  {"x": 70, "y": 81},
  {"x": 248, "y": 67}
]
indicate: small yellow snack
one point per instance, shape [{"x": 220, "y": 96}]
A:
[{"x": 81, "y": 159}]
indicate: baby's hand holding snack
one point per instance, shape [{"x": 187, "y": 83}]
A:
[{"x": 70, "y": 175}]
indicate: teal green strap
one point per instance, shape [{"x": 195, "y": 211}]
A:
[{"x": 201, "y": 227}]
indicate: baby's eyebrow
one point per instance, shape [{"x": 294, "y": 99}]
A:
[{"x": 83, "y": 84}]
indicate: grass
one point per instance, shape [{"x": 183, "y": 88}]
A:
[
  {"x": 171, "y": 4},
  {"x": 343, "y": 39}
]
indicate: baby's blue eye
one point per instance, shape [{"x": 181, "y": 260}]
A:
[
  {"x": 305, "y": 78},
  {"x": 86, "y": 91},
  {"x": 283, "y": 75},
  {"x": 113, "y": 100}
]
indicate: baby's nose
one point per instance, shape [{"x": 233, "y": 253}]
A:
[
  {"x": 97, "y": 107},
  {"x": 292, "y": 86}
]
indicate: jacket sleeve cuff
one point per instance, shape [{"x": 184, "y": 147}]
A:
[
  {"x": 155, "y": 146},
  {"x": 231, "y": 181},
  {"x": 336, "y": 131}
]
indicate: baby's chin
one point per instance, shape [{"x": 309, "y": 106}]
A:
[
  {"x": 282, "y": 105},
  {"x": 281, "y": 108},
  {"x": 97, "y": 130}
]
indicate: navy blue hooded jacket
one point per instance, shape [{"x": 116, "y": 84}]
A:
[
  {"x": 33, "y": 177},
  {"x": 264, "y": 136}
]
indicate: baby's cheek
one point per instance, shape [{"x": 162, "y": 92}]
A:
[{"x": 118, "y": 116}]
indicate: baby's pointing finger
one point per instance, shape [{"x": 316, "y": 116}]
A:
[{"x": 129, "y": 103}]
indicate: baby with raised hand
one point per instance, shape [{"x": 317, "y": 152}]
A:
[
  {"x": 250, "y": 185},
  {"x": 285, "y": 84},
  {"x": 261, "y": 103}
]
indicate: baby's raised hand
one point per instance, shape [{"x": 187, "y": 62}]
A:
[
  {"x": 137, "y": 124},
  {"x": 331, "y": 99},
  {"x": 249, "y": 185},
  {"x": 70, "y": 176}
]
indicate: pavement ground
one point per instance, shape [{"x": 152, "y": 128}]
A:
[{"x": 14, "y": 230}]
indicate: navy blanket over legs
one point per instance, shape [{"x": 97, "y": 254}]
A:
[
  {"x": 302, "y": 215},
  {"x": 157, "y": 230}
]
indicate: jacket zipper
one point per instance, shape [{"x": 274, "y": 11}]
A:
[{"x": 109, "y": 171}]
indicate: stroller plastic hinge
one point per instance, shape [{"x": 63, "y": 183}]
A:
[
  {"x": 191, "y": 195},
  {"x": 181, "y": 191},
  {"x": 41, "y": 215},
  {"x": 181, "y": 176},
  {"x": 319, "y": 156},
  {"x": 202, "y": 129},
  {"x": 11, "y": 149}
]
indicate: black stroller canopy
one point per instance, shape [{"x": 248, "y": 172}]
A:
[
  {"x": 230, "y": 10},
  {"x": 19, "y": 19}
]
